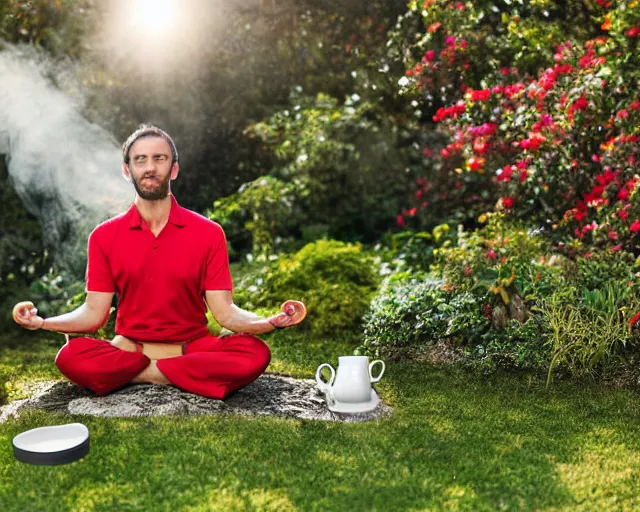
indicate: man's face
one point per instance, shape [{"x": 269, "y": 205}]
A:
[{"x": 150, "y": 168}]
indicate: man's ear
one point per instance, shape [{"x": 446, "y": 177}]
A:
[
  {"x": 126, "y": 173},
  {"x": 175, "y": 169}
]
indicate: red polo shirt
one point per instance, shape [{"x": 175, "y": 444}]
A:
[{"x": 160, "y": 281}]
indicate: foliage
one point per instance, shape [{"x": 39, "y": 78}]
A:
[
  {"x": 532, "y": 146},
  {"x": 334, "y": 279},
  {"x": 412, "y": 313},
  {"x": 590, "y": 331},
  {"x": 341, "y": 163},
  {"x": 264, "y": 208},
  {"x": 55, "y": 25},
  {"x": 56, "y": 292},
  {"x": 502, "y": 298},
  {"x": 502, "y": 259},
  {"x": 222, "y": 67},
  {"x": 22, "y": 256}
]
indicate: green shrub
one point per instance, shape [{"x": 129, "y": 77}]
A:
[
  {"x": 414, "y": 311},
  {"x": 344, "y": 161},
  {"x": 263, "y": 208},
  {"x": 335, "y": 280},
  {"x": 503, "y": 298},
  {"x": 589, "y": 330},
  {"x": 478, "y": 297}
]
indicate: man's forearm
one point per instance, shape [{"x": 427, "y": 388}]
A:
[
  {"x": 82, "y": 319},
  {"x": 240, "y": 320}
]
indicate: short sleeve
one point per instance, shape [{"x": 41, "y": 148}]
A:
[
  {"x": 217, "y": 275},
  {"x": 99, "y": 278}
]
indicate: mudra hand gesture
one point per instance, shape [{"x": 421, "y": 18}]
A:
[
  {"x": 26, "y": 315},
  {"x": 293, "y": 312}
]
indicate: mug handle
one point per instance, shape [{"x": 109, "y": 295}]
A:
[
  {"x": 376, "y": 379},
  {"x": 325, "y": 386}
]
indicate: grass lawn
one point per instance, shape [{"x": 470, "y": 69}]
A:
[{"x": 456, "y": 441}]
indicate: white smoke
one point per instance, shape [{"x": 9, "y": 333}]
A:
[{"x": 65, "y": 169}]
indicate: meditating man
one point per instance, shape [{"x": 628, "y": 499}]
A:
[{"x": 164, "y": 262}]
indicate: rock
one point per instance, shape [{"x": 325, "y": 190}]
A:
[
  {"x": 499, "y": 316},
  {"x": 273, "y": 395},
  {"x": 517, "y": 309}
]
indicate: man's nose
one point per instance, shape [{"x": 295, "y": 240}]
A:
[{"x": 150, "y": 165}]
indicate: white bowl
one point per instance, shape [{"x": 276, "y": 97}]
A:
[{"x": 52, "y": 445}]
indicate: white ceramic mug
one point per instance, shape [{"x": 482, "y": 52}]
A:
[{"x": 352, "y": 382}]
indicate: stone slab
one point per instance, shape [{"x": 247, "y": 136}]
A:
[{"x": 271, "y": 394}]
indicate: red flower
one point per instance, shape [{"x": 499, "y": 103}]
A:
[
  {"x": 523, "y": 175},
  {"x": 623, "y": 214},
  {"x": 475, "y": 163},
  {"x": 507, "y": 202},
  {"x": 580, "y": 104},
  {"x": 622, "y": 114},
  {"x": 633, "y": 32},
  {"x": 480, "y": 146},
  {"x": 612, "y": 235},
  {"x": 635, "y": 226},
  {"x": 634, "y": 319},
  {"x": 400, "y": 220},
  {"x": 505, "y": 174},
  {"x": 491, "y": 254},
  {"x": 623, "y": 194},
  {"x": 480, "y": 95},
  {"x": 533, "y": 142},
  {"x": 616, "y": 248}
]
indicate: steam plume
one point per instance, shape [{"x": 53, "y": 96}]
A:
[{"x": 65, "y": 169}]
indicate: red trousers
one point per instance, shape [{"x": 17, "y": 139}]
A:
[{"x": 210, "y": 366}]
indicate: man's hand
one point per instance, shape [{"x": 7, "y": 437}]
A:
[
  {"x": 293, "y": 312},
  {"x": 26, "y": 315}
]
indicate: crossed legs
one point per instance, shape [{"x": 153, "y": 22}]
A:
[{"x": 210, "y": 366}]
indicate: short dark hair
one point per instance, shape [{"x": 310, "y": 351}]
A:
[{"x": 148, "y": 130}]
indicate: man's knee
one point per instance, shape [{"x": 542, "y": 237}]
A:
[
  {"x": 66, "y": 359},
  {"x": 80, "y": 361},
  {"x": 261, "y": 353}
]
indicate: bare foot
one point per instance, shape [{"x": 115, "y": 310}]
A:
[{"x": 151, "y": 375}]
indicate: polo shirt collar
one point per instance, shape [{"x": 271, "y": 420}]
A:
[{"x": 175, "y": 215}]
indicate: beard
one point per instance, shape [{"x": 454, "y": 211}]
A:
[{"x": 160, "y": 191}]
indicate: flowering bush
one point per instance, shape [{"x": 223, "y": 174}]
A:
[{"x": 558, "y": 149}]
